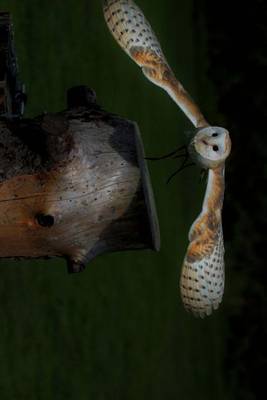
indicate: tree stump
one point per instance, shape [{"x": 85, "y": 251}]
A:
[{"x": 74, "y": 184}]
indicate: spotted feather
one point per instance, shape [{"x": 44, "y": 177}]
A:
[
  {"x": 130, "y": 28},
  {"x": 134, "y": 34},
  {"x": 202, "y": 276}
]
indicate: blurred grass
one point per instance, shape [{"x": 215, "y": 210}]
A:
[{"x": 117, "y": 331}]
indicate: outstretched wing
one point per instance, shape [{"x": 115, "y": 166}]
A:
[
  {"x": 202, "y": 276},
  {"x": 134, "y": 34}
]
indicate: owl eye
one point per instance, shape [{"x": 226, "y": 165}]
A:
[
  {"x": 214, "y": 134},
  {"x": 215, "y": 148}
]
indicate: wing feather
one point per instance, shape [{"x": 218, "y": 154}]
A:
[
  {"x": 134, "y": 34},
  {"x": 130, "y": 28},
  {"x": 202, "y": 276}
]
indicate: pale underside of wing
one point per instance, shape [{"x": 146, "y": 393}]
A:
[
  {"x": 202, "y": 280},
  {"x": 130, "y": 28},
  {"x": 202, "y": 275},
  {"x": 134, "y": 34}
]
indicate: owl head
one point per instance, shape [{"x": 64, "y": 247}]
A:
[{"x": 210, "y": 146}]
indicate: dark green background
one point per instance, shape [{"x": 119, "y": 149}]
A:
[{"x": 118, "y": 331}]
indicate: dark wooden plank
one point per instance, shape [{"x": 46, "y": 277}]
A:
[{"x": 12, "y": 96}]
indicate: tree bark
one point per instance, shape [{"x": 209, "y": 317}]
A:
[{"x": 74, "y": 184}]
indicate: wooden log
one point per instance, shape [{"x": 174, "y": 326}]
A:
[{"x": 74, "y": 184}]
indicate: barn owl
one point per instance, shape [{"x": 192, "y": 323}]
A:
[{"x": 202, "y": 274}]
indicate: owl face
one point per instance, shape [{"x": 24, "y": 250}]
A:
[{"x": 210, "y": 146}]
